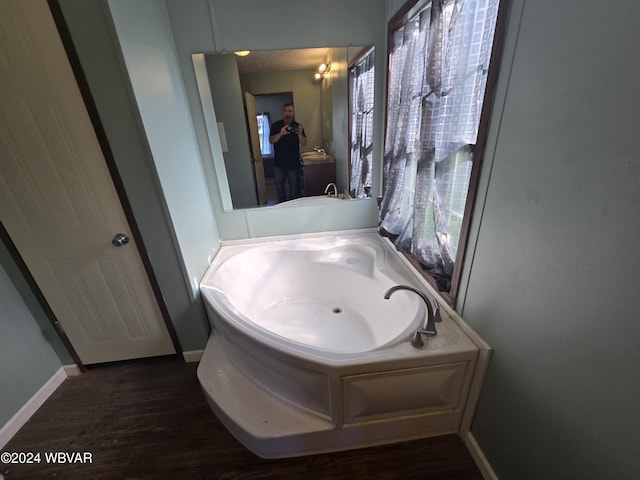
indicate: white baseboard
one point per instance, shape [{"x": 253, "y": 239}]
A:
[
  {"x": 34, "y": 403},
  {"x": 72, "y": 370},
  {"x": 478, "y": 456},
  {"x": 192, "y": 356}
]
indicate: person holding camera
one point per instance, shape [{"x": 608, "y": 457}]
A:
[{"x": 287, "y": 139}]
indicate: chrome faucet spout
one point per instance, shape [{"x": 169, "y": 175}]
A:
[
  {"x": 335, "y": 189},
  {"x": 429, "y": 327}
]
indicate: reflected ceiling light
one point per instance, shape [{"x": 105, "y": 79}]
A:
[
  {"x": 323, "y": 69},
  {"x": 242, "y": 53}
]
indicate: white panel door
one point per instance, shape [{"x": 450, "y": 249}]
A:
[{"x": 57, "y": 200}]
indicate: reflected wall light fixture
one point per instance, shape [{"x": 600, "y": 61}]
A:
[
  {"x": 242, "y": 53},
  {"x": 323, "y": 70}
]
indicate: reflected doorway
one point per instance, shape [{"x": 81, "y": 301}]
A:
[{"x": 268, "y": 109}]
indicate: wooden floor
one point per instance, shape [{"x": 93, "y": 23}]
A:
[{"x": 149, "y": 420}]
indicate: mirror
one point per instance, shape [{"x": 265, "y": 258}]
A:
[{"x": 247, "y": 94}]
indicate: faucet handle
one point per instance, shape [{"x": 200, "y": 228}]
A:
[
  {"x": 417, "y": 341},
  {"x": 427, "y": 331},
  {"x": 436, "y": 311}
]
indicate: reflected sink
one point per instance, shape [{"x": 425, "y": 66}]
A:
[
  {"x": 311, "y": 200},
  {"x": 316, "y": 157}
]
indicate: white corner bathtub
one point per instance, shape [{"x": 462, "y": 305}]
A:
[{"x": 306, "y": 356}]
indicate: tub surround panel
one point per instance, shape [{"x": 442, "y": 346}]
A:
[
  {"x": 415, "y": 391},
  {"x": 296, "y": 219},
  {"x": 304, "y": 388},
  {"x": 274, "y": 425}
]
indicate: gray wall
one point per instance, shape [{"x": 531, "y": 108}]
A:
[
  {"x": 227, "y": 96},
  {"x": 27, "y": 341},
  {"x": 336, "y": 114},
  {"x": 553, "y": 258},
  {"x": 153, "y": 69}
]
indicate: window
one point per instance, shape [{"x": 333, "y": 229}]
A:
[
  {"x": 266, "y": 148},
  {"x": 437, "y": 109},
  {"x": 361, "y": 81}
]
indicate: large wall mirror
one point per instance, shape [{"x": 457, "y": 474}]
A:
[{"x": 243, "y": 95}]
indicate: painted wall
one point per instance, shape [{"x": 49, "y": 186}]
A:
[
  {"x": 553, "y": 258},
  {"x": 27, "y": 341},
  {"x": 336, "y": 114},
  {"x": 150, "y": 59},
  {"x": 228, "y": 100}
]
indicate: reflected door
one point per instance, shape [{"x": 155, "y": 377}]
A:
[{"x": 256, "y": 153}]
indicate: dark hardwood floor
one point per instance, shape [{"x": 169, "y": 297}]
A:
[{"x": 149, "y": 420}]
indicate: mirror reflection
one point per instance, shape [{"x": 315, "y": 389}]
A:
[{"x": 249, "y": 95}]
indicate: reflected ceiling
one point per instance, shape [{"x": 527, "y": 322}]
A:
[{"x": 276, "y": 60}]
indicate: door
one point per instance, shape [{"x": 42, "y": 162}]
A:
[
  {"x": 256, "y": 152},
  {"x": 58, "y": 203}
]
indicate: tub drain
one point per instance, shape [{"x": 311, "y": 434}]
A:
[{"x": 337, "y": 310}]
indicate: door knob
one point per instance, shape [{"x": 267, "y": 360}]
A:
[{"x": 119, "y": 240}]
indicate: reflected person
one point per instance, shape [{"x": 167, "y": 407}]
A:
[{"x": 286, "y": 140}]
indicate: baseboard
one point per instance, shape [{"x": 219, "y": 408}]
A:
[
  {"x": 72, "y": 370},
  {"x": 28, "y": 409},
  {"x": 478, "y": 456},
  {"x": 192, "y": 356}
]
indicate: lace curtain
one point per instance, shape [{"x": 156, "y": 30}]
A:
[
  {"x": 438, "y": 71},
  {"x": 362, "y": 90}
]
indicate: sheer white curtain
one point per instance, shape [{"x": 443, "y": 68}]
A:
[
  {"x": 362, "y": 94},
  {"x": 438, "y": 70}
]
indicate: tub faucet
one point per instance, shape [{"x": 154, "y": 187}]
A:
[
  {"x": 335, "y": 189},
  {"x": 429, "y": 328}
]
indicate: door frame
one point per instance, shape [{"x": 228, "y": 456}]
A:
[
  {"x": 255, "y": 147},
  {"x": 40, "y": 298}
]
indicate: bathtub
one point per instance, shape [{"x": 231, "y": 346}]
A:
[{"x": 306, "y": 356}]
